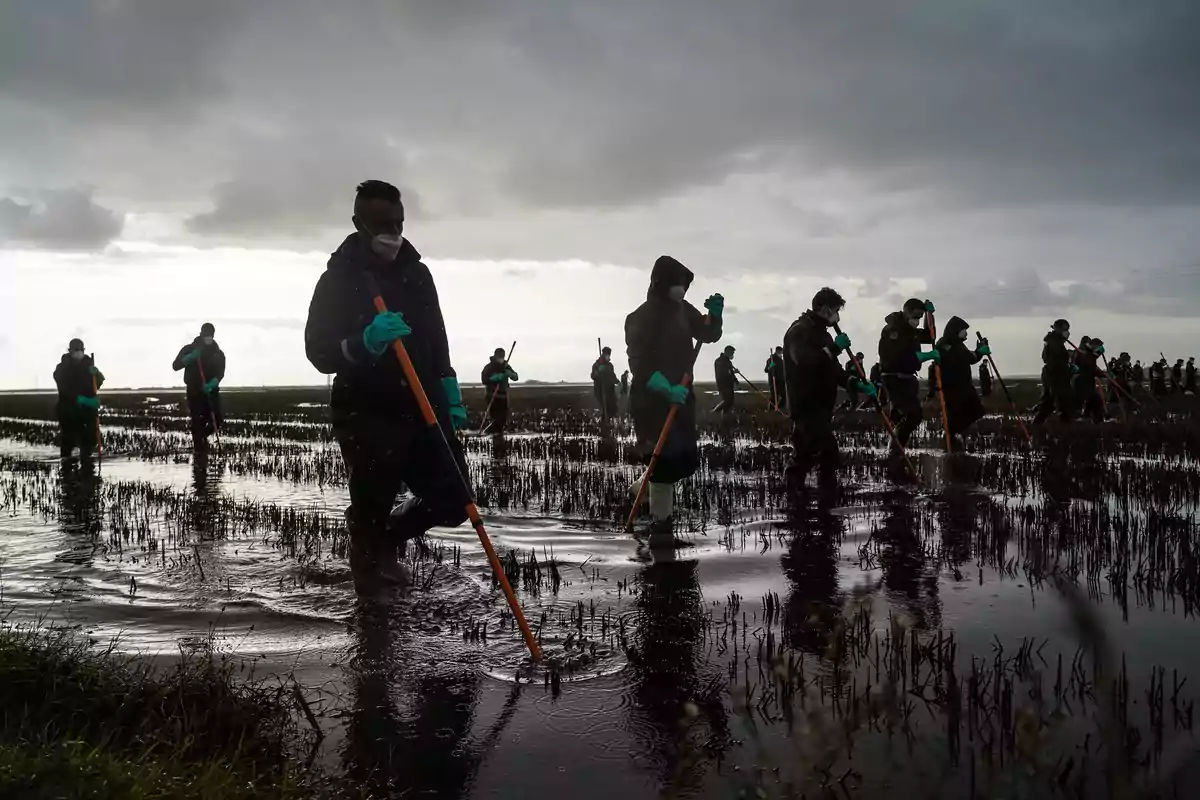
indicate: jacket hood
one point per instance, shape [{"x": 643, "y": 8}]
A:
[
  {"x": 1053, "y": 336},
  {"x": 955, "y": 326},
  {"x": 668, "y": 272},
  {"x": 355, "y": 253},
  {"x": 897, "y": 318},
  {"x": 66, "y": 359}
]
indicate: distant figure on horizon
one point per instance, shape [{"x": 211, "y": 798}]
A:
[
  {"x": 604, "y": 385},
  {"x": 203, "y": 365},
  {"x": 495, "y": 377},
  {"x": 77, "y": 404},
  {"x": 726, "y": 380}
]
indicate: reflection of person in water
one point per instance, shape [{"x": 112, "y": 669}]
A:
[
  {"x": 417, "y": 748},
  {"x": 78, "y": 507},
  {"x": 911, "y": 580},
  {"x": 671, "y": 676},
  {"x": 206, "y": 487},
  {"x": 813, "y": 605}
]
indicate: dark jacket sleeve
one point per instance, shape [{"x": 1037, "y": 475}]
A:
[
  {"x": 641, "y": 344},
  {"x": 218, "y": 365},
  {"x": 704, "y": 329},
  {"x": 439, "y": 344},
  {"x": 178, "y": 363},
  {"x": 62, "y": 379},
  {"x": 332, "y": 338}
]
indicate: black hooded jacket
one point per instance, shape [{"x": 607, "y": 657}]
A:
[
  {"x": 1056, "y": 361},
  {"x": 899, "y": 344},
  {"x": 211, "y": 358},
  {"x": 659, "y": 334},
  {"x": 726, "y": 378},
  {"x": 342, "y": 307},
  {"x": 957, "y": 358},
  {"x": 73, "y": 378},
  {"x": 811, "y": 366},
  {"x": 1086, "y": 361}
]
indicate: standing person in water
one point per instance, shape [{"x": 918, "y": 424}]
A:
[
  {"x": 376, "y": 420},
  {"x": 963, "y": 406},
  {"x": 203, "y": 365},
  {"x": 1085, "y": 376},
  {"x": 660, "y": 338},
  {"x": 814, "y": 375},
  {"x": 777, "y": 379},
  {"x": 1189, "y": 376},
  {"x": 77, "y": 405},
  {"x": 495, "y": 377},
  {"x": 625, "y": 392},
  {"x": 900, "y": 359},
  {"x": 1056, "y": 374},
  {"x": 726, "y": 380},
  {"x": 604, "y": 385}
]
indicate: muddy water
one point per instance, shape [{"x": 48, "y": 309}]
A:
[{"x": 650, "y": 651}]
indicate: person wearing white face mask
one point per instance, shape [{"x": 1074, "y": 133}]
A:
[
  {"x": 377, "y": 422},
  {"x": 900, "y": 359},
  {"x": 77, "y": 403},
  {"x": 1056, "y": 374},
  {"x": 963, "y": 406},
  {"x": 659, "y": 337},
  {"x": 203, "y": 365}
]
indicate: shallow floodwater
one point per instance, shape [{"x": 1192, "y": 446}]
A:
[{"x": 663, "y": 669}]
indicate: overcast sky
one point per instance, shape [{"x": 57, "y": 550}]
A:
[{"x": 167, "y": 162}]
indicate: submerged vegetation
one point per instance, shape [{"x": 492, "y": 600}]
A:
[{"x": 846, "y": 676}]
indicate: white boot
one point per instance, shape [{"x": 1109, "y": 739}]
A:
[{"x": 662, "y": 505}]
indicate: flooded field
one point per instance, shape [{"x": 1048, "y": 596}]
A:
[{"x": 1020, "y": 624}]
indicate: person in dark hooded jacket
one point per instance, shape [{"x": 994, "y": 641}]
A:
[
  {"x": 814, "y": 376},
  {"x": 495, "y": 377},
  {"x": 1085, "y": 377},
  {"x": 659, "y": 338},
  {"x": 1158, "y": 378},
  {"x": 1056, "y": 374},
  {"x": 963, "y": 407},
  {"x": 1177, "y": 376},
  {"x": 77, "y": 379},
  {"x": 900, "y": 359},
  {"x": 1189, "y": 376},
  {"x": 376, "y": 419},
  {"x": 727, "y": 382},
  {"x": 776, "y": 379},
  {"x": 203, "y": 365},
  {"x": 604, "y": 385}
]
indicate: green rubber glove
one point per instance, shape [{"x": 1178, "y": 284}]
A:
[
  {"x": 458, "y": 414},
  {"x": 1075, "y": 369},
  {"x": 87, "y": 403},
  {"x": 841, "y": 342},
  {"x": 929, "y": 306},
  {"x": 715, "y": 305},
  {"x": 191, "y": 357},
  {"x": 983, "y": 350},
  {"x": 386, "y": 328},
  {"x": 865, "y": 387},
  {"x": 934, "y": 355},
  {"x": 659, "y": 384},
  {"x": 1100, "y": 350},
  {"x": 98, "y": 375},
  {"x": 208, "y": 387},
  {"x": 498, "y": 377},
  {"x": 679, "y": 395}
]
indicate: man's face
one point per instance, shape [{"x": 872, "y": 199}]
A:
[{"x": 377, "y": 216}]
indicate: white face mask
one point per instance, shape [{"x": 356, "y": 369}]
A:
[
  {"x": 676, "y": 293},
  {"x": 77, "y": 355},
  {"x": 206, "y": 340},
  {"x": 387, "y": 245},
  {"x": 914, "y": 322},
  {"x": 963, "y": 334},
  {"x": 832, "y": 317}
]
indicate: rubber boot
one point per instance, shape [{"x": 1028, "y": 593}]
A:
[{"x": 662, "y": 506}]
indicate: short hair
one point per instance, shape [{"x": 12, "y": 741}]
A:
[
  {"x": 499, "y": 351},
  {"x": 375, "y": 190},
  {"x": 913, "y": 304},
  {"x": 207, "y": 329},
  {"x": 779, "y": 348},
  {"x": 730, "y": 348},
  {"x": 75, "y": 344},
  {"x": 605, "y": 350},
  {"x": 827, "y": 297},
  {"x": 1061, "y": 323}
]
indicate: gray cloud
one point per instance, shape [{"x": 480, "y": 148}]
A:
[{"x": 66, "y": 219}]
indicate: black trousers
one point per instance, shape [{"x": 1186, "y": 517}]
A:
[
  {"x": 726, "y": 405},
  {"x": 904, "y": 394},
  {"x": 1056, "y": 394},
  {"x": 498, "y": 415},
  {"x": 203, "y": 410},
  {"x": 382, "y": 457},
  {"x": 963, "y": 409},
  {"x": 680, "y": 456},
  {"x": 813, "y": 446},
  {"x": 1088, "y": 400},
  {"x": 76, "y": 428}
]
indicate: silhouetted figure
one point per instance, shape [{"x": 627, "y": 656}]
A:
[
  {"x": 495, "y": 377},
  {"x": 77, "y": 405},
  {"x": 604, "y": 385},
  {"x": 203, "y": 365},
  {"x": 726, "y": 380}
]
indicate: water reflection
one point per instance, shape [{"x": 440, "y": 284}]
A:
[
  {"x": 409, "y": 726},
  {"x": 78, "y": 497},
  {"x": 677, "y": 715},
  {"x": 910, "y": 575},
  {"x": 206, "y": 517},
  {"x": 813, "y": 606}
]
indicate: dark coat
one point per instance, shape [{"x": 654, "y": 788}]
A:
[
  {"x": 73, "y": 378},
  {"x": 899, "y": 344},
  {"x": 726, "y": 377},
  {"x": 958, "y": 360},
  {"x": 212, "y": 359},
  {"x": 497, "y": 388},
  {"x": 1056, "y": 360},
  {"x": 342, "y": 307},
  {"x": 604, "y": 379},
  {"x": 811, "y": 366}
]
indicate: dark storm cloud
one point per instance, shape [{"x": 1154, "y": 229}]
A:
[
  {"x": 597, "y": 105},
  {"x": 58, "y": 220}
]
